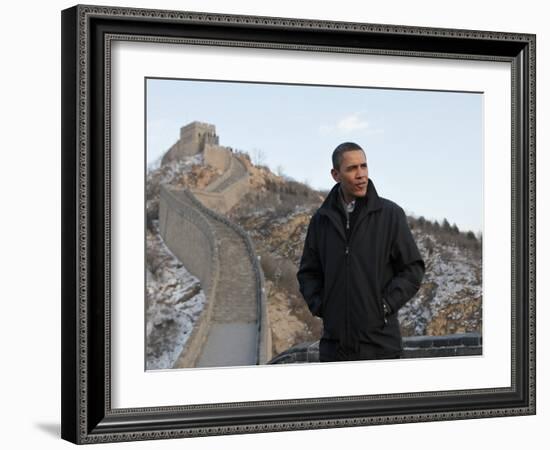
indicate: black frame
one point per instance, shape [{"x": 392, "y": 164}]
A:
[{"x": 87, "y": 416}]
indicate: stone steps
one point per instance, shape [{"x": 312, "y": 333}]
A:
[{"x": 236, "y": 299}]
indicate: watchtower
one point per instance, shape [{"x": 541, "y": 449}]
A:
[{"x": 193, "y": 138}]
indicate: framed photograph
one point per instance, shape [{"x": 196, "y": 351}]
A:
[{"x": 196, "y": 148}]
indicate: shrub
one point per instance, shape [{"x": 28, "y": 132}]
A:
[
  {"x": 152, "y": 213},
  {"x": 269, "y": 265}
]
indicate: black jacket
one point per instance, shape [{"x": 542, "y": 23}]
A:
[{"x": 346, "y": 277}]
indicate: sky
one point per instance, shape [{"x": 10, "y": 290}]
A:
[{"x": 424, "y": 148}]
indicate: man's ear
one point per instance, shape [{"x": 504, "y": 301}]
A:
[{"x": 335, "y": 174}]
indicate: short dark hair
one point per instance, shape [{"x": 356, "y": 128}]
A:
[{"x": 340, "y": 150}]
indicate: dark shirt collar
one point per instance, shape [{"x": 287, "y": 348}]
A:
[{"x": 348, "y": 207}]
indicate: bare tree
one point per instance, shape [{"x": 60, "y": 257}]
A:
[{"x": 258, "y": 157}]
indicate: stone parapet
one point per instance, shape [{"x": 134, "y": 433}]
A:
[
  {"x": 228, "y": 190},
  {"x": 467, "y": 344},
  {"x": 188, "y": 234},
  {"x": 191, "y": 238},
  {"x": 218, "y": 157},
  {"x": 460, "y": 344},
  {"x": 228, "y": 170}
]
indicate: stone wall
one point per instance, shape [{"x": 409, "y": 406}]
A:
[
  {"x": 187, "y": 234},
  {"x": 224, "y": 201},
  {"x": 460, "y": 344},
  {"x": 190, "y": 237},
  {"x": 467, "y": 344},
  {"x": 265, "y": 344},
  {"x": 230, "y": 188},
  {"x": 236, "y": 191},
  {"x": 217, "y": 156}
]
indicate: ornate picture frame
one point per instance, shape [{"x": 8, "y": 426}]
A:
[{"x": 88, "y": 414}]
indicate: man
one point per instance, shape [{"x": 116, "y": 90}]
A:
[{"x": 360, "y": 264}]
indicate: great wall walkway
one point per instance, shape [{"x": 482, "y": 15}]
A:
[
  {"x": 233, "y": 336},
  {"x": 234, "y": 329},
  {"x": 236, "y": 172}
]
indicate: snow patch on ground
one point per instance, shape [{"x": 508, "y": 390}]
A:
[
  {"x": 175, "y": 302},
  {"x": 453, "y": 276}
]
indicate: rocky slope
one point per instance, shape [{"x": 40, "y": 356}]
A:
[{"x": 449, "y": 299}]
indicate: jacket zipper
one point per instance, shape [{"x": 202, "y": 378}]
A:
[{"x": 348, "y": 237}]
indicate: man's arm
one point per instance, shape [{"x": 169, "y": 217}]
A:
[
  {"x": 408, "y": 267},
  {"x": 310, "y": 274}
]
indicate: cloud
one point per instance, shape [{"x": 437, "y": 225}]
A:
[
  {"x": 351, "y": 123},
  {"x": 347, "y": 124}
]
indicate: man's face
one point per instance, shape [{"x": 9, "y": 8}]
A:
[{"x": 353, "y": 174}]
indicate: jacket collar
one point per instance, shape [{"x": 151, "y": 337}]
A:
[{"x": 371, "y": 201}]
